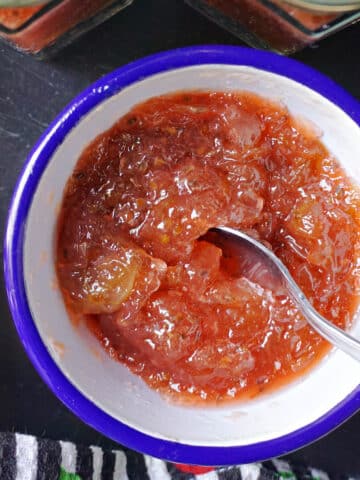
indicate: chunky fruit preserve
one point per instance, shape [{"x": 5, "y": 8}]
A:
[{"x": 132, "y": 262}]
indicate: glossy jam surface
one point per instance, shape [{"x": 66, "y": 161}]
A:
[{"x": 167, "y": 303}]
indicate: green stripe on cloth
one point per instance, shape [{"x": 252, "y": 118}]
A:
[{"x": 68, "y": 476}]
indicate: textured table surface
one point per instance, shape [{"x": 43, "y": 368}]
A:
[{"x": 32, "y": 93}]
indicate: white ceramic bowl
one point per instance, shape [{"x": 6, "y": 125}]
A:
[{"x": 103, "y": 392}]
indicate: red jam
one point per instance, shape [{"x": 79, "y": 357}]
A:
[
  {"x": 15, "y": 17},
  {"x": 35, "y": 28},
  {"x": 165, "y": 302},
  {"x": 271, "y": 24}
]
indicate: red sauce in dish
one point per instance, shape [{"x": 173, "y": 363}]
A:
[
  {"x": 166, "y": 303},
  {"x": 15, "y": 17},
  {"x": 51, "y": 24},
  {"x": 269, "y": 21}
]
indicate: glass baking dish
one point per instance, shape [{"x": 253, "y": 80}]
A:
[
  {"x": 41, "y": 27},
  {"x": 277, "y": 25}
]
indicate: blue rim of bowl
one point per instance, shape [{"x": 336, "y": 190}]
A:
[{"x": 14, "y": 240}]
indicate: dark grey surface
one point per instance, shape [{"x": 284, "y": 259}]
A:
[{"x": 32, "y": 93}]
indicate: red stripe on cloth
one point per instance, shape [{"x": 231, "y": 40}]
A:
[{"x": 196, "y": 470}]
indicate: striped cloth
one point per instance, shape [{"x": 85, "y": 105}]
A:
[{"x": 24, "y": 457}]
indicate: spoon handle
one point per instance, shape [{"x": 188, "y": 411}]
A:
[{"x": 335, "y": 335}]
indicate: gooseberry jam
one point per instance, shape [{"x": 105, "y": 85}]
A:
[{"x": 132, "y": 262}]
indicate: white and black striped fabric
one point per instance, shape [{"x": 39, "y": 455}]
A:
[{"x": 24, "y": 457}]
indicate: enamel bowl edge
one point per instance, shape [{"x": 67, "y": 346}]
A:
[{"x": 102, "y": 392}]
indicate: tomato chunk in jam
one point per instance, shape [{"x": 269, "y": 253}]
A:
[{"x": 132, "y": 260}]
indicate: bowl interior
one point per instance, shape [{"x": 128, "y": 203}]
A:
[{"x": 109, "y": 384}]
